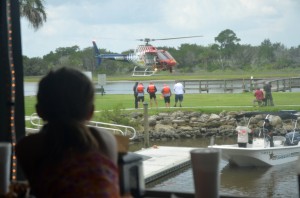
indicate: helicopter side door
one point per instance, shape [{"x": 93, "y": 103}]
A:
[{"x": 150, "y": 58}]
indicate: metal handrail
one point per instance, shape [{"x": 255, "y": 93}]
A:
[
  {"x": 110, "y": 129},
  {"x": 122, "y": 129},
  {"x": 127, "y": 129},
  {"x": 34, "y": 117}
]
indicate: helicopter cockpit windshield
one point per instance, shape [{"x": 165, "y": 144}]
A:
[
  {"x": 167, "y": 54},
  {"x": 161, "y": 55}
]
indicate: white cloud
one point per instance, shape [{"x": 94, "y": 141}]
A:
[{"x": 78, "y": 22}]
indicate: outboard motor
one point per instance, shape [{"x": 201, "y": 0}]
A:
[{"x": 292, "y": 138}]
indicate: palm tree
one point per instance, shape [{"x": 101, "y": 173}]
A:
[{"x": 34, "y": 11}]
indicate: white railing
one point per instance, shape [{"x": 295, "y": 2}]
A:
[
  {"x": 35, "y": 120},
  {"x": 124, "y": 130}
]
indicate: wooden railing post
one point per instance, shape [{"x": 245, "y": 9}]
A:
[{"x": 146, "y": 126}]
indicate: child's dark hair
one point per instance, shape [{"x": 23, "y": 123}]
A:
[
  {"x": 65, "y": 95},
  {"x": 65, "y": 100}
]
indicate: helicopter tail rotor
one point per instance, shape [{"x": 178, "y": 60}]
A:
[{"x": 97, "y": 52}]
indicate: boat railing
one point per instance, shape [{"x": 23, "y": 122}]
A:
[
  {"x": 295, "y": 126},
  {"x": 124, "y": 130}
]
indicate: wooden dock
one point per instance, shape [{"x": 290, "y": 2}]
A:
[
  {"x": 159, "y": 161},
  {"x": 239, "y": 85}
]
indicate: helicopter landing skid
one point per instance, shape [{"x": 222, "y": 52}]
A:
[{"x": 145, "y": 72}]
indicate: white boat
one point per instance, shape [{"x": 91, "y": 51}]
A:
[{"x": 259, "y": 153}]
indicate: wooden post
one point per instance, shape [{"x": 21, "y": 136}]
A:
[
  {"x": 251, "y": 84},
  {"x": 200, "y": 88},
  {"x": 146, "y": 126},
  {"x": 207, "y": 86}
]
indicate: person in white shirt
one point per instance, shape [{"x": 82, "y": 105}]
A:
[
  {"x": 179, "y": 91},
  {"x": 243, "y": 136}
]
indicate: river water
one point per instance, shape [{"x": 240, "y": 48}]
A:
[
  {"x": 277, "y": 181},
  {"x": 125, "y": 87}
]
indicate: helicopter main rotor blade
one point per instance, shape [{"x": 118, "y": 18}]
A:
[
  {"x": 145, "y": 39},
  {"x": 176, "y": 38}
]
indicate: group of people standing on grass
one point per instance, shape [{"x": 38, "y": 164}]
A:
[
  {"x": 139, "y": 94},
  {"x": 264, "y": 97}
]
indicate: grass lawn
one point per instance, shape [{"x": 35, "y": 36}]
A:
[{"x": 208, "y": 103}]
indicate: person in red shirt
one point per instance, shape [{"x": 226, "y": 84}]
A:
[
  {"x": 151, "y": 89},
  {"x": 259, "y": 97}
]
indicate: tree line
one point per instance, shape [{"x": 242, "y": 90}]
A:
[{"x": 225, "y": 54}]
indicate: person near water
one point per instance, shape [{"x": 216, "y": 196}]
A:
[
  {"x": 166, "y": 93},
  {"x": 269, "y": 131},
  {"x": 151, "y": 89},
  {"x": 259, "y": 97},
  {"x": 243, "y": 136},
  {"x": 268, "y": 94},
  {"x": 135, "y": 95},
  {"x": 178, "y": 91},
  {"x": 140, "y": 89}
]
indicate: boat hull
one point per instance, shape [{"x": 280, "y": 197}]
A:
[{"x": 252, "y": 156}]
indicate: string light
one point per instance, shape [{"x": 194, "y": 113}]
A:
[{"x": 12, "y": 91}]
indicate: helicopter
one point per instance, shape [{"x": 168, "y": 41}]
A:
[{"x": 146, "y": 56}]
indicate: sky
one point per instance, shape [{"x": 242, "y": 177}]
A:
[{"x": 117, "y": 24}]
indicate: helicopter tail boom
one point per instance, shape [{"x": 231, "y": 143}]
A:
[{"x": 118, "y": 57}]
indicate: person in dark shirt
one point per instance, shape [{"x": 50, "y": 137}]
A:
[
  {"x": 269, "y": 131},
  {"x": 268, "y": 94},
  {"x": 135, "y": 93}
]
